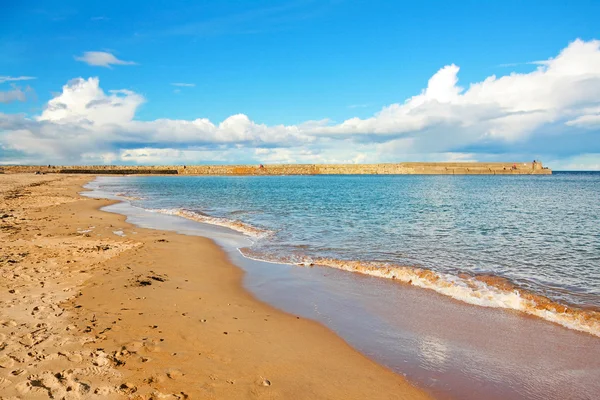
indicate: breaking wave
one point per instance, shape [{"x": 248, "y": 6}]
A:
[
  {"x": 233, "y": 224},
  {"x": 480, "y": 290}
]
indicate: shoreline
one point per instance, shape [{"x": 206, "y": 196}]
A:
[
  {"x": 185, "y": 327},
  {"x": 434, "y": 341},
  {"x": 483, "y": 290}
]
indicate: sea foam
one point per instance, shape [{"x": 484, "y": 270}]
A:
[{"x": 233, "y": 224}]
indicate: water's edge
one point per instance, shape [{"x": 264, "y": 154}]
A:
[
  {"x": 480, "y": 290},
  {"x": 397, "y": 344}
]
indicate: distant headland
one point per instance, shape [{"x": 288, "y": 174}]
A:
[{"x": 407, "y": 168}]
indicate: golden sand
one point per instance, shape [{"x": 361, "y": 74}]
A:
[{"x": 93, "y": 307}]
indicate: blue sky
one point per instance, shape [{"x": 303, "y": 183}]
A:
[{"x": 285, "y": 64}]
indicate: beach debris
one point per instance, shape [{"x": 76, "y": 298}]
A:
[
  {"x": 266, "y": 382},
  {"x": 306, "y": 264},
  {"x": 158, "y": 278},
  {"x": 147, "y": 281}
]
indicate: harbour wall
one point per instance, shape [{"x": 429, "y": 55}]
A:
[{"x": 408, "y": 168}]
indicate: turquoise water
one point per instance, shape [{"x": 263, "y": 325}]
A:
[{"x": 542, "y": 233}]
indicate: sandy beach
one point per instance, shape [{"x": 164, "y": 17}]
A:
[{"x": 93, "y": 307}]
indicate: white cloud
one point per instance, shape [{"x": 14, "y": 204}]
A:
[
  {"x": 101, "y": 59},
  {"x": 16, "y": 94},
  {"x": 82, "y": 102},
  {"x": 590, "y": 119},
  {"x": 520, "y": 115},
  {"x": 586, "y": 121},
  {"x": 509, "y": 108},
  {"x": 184, "y": 84},
  {"x": 12, "y": 95},
  {"x": 15, "y": 78}
]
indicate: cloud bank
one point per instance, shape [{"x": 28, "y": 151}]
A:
[{"x": 552, "y": 112}]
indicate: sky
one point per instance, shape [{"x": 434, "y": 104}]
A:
[{"x": 329, "y": 81}]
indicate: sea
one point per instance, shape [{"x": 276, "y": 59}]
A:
[{"x": 492, "y": 281}]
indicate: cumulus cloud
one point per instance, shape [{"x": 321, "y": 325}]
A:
[
  {"x": 101, "y": 59},
  {"x": 83, "y": 102},
  {"x": 15, "y": 94},
  {"x": 508, "y": 108},
  {"x": 551, "y": 111}
]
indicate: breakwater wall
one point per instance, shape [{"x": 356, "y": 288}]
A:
[{"x": 408, "y": 168}]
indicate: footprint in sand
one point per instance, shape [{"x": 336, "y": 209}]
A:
[
  {"x": 155, "y": 379},
  {"x": 6, "y": 362},
  {"x": 4, "y": 383},
  {"x": 153, "y": 348},
  {"x": 174, "y": 374},
  {"x": 133, "y": 347},
  {"x": 96, "y": 371},
  {"x": 104, "y": 391}
]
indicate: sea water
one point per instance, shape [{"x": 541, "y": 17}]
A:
[
  {"x": 494, "y": 241},
  {"x": 540, "y": 232}
]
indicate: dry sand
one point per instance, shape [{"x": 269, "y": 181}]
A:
[{"x": 93, "y": 307}]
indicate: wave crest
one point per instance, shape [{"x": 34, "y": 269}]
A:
[{"x": 233, "y": 224}]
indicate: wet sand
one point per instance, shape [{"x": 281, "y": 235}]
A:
[{"x": 93, "y": 307}]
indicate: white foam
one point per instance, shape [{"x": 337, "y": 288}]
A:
[
  {"x": 468, "y": 290},
  {"x": 472, "y": 291},
  {"x": 235, "y": 225}
]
